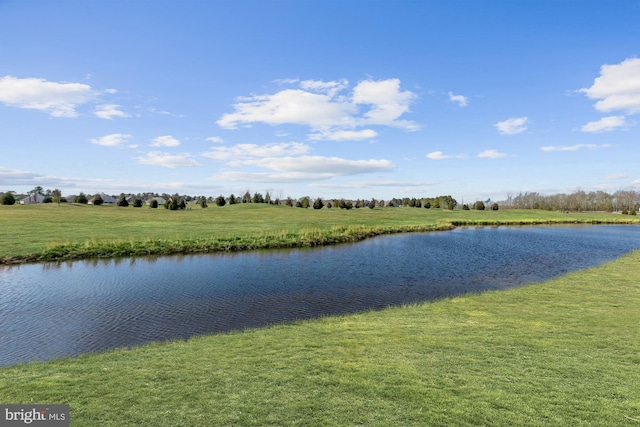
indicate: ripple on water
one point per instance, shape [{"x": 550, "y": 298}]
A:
[{"x": 56, "y": 310}]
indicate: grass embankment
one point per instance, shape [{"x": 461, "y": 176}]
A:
[
  {"x": 562, "y": 353},
  {"x": 71, "y": 231}
]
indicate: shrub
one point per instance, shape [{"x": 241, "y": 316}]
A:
[
  {"x": 479, "y": 205},
  {"x": 220, "y": 201},
  {"x": 317, "y": 204},
  {"x": 494, "y": 207},
  {"x": 625, "y": 212},
  {"x": 8, "y": 199},
  {"x": 203, "y": 202},
  {"x": 153, "y": 204},
  {"x": 137, "y": 203},
  {"x": 633, "y": 212},
  {"x": 81, "y": 198},
  {"x": 122, "y": 201},
  {"x": 465, "y": 207},
  {"x": 97, "y": 200}
]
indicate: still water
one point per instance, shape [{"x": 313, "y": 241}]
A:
[{"x": 64, "y": 309}]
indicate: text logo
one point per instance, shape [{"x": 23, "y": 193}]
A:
[{"x": 34, "y": 415}]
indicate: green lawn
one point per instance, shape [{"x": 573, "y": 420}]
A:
[
  {"x": 47, "y": 232},
  {"x": 562, "y": 353}
]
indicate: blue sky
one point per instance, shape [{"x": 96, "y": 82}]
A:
[{"x": 353, "y": 99}]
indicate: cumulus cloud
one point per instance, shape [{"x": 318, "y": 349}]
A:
[
  {"x": 439, "y": 155},
  {"x": 575, "y": 147},
  {"x": 112, "y": 140},
  {"x": 321, "y": 106},
  {"x": 246, "y": 151},
  {"x": 491, "y": 154},
  {"x": 55, "y": 99},
  {"x": 109, "y": 111},
  {"x": 512, "y": 126},
  {"x": 165, "y": 141},
  {"x": 215, "y": 139},
  {"x": 461, "y": 100},
  {"x": 605, "y": 124},
  {"x": 158, "y": 158},
  {"x": 617, "y": 88}
]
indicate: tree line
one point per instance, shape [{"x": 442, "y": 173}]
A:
[
  {"x": 626, "y": 201},
  {"x": 578, "y": 201}
]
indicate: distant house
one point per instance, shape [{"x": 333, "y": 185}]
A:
[
  {"x": 161, "y": 201},
  {"x": 106, "y": 199},
  {"x": 31, "y": 199}
]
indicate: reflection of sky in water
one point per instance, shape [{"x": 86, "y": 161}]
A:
[{"x": 53, "y": 310}]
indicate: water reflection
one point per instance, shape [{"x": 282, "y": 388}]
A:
[{"x": 59, "y": 309}]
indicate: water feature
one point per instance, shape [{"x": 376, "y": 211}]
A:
[{"x": 61, "y": 309}]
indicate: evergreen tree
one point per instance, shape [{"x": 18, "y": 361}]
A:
[
  {"x": 122, "y": 201},
  {"x": 137, "y": 202},
  {"x": 220, "y": 201},
  {"x": 317, "y": 204},
  {"x": 98, "y": 200}
]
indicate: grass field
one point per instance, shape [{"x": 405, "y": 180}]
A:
[
  {"x": 71, "y": 231},
  {"x": 561, "y": 353}
]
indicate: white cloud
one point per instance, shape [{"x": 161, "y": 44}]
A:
[
  {"x": 215, "y": 140},
  {"x": 165, "y": 141},
  {"x": 331, "y": 88},
  {"x": 304, "y": 168},
  {"x": 376, "y": 183},
  {"x": 320, "y": 106},
  {"x": 109, "y": 111},
  {"x": 344, "y": 135},
  {"x": 575, "y": 147},
  {"x": 56, "y": 99},
  {"x": 512, "y": 126},
  {"x": 247, "y": 151},
  {"x": 158, "y": 158},
  {"x": 437, "y": 155},
  {"x": 491, "y": 154},
  {"x": 112, "y": 140},
  {"x": 320, "y": 165},
  {"x": 617, "y": 88},
  {"x": 605, "y": 124},
  {"x": 387, "y": 101},
  {"x": 462, "y": 101},
  {"x": 615, "y": 176}
]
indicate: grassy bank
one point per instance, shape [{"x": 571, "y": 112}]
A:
[
  {"x": 71, "y": 231},
  {"x": 565, "y": 352}
]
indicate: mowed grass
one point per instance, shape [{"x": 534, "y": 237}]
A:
[
  {"x": 71, "y": 231},
  {"x": 562, "y": 353}
]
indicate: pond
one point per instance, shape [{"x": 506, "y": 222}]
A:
[{"x": 63, "y": 309}]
